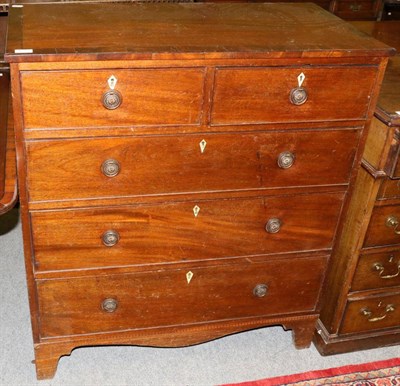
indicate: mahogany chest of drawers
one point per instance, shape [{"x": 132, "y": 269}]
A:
[
  {"x": 362, "y": 310},
  {"x": 183, "y": 167}
]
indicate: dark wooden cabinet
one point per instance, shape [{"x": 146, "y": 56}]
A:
[
  {"x": 361, "y": 309},
  {"x": 8, "y": 180},
  {"x": 185, "y": 179}
]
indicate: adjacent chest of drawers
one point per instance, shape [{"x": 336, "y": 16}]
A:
[
  {"x": 363, "y": 310},
  {"x": 185, "y": 180}
]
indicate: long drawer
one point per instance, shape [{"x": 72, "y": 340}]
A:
[
  {"x": 148, "y": 97},
  {"x": 129, "y": 166},
  {"x": 372, "y": 313},
  {"x": 261, "y": 95},
  {"x": 195, "y": 230},
  {"x": 181, "y": 296}
]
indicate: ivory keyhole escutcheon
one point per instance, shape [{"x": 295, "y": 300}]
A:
[
  {"x": 300, "y": 79},
  {"x": 203, "y": 145},
  {"x": 112, "y": 82},
  {"x": 196, "y": 211},
  {"x": 189, "y": 276}
]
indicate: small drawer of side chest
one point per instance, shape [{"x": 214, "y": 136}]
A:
[
  {"x": 392, "y": 167},
  {"x": 357, "y": 9},
  {"x": 114, "y": 97},
  {"x": 195, "y": 230},
  {"x": 372, "y": 313},
  {"x": 276, "y": 94},
  {"x": 384, "y": 226},
  {"x": 389, "y": 189},
  {"x": 178, "y": 296},
  {"x": 377, "y": 270},
  {"x": 131, "y": 166}
]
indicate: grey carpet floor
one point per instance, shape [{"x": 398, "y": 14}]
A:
[{"x": 242, "y": 357}]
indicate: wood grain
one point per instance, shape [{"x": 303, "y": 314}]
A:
[
  {"x": 368, "y": 276},
  {"x": 149, "y": 97},
  {"x": 261, "y": 95},
  {"x": 73, "y": 306},
  {"x": 378, "y": 232},
  {"x": 182, "y": 31},
  {"x": 223, "y": 228},
  {"x": 355, "y": 321},
  {"x": 66, "y": 170}
]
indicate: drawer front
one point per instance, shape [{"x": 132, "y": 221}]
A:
[
  {"x": 377, "y": 270},
  {"x": 356, "y": 9},
  {"x": 75, "y": 98},
  {"x": 262, "y": 95},
  {"x": 392, "y": 167},
  {"x": 195, "y": 230},
  {"x": 389, "y": 189},
  {"x": 178, "y": 297},
  {"x": 384, "y": 226},
  {"x": 69, "y": 169},
  {"x": 372, "y": 313}
]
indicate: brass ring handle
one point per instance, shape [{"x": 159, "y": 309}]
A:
[
  {"x": 260, "y": 290},
  {"x": 109, "y": 305},
  {"x": 393, "y": 222},
  {"x": 368, "y": 313},
  {"x": 286, "y": 160},
  {"x": 380, "y": 268},
  {"x": 273, "y": 225},
  {"x": 298, "y": 96},
  {"x": 111, "y": 99},
  {"x": 110, "y": 167},
  {"x": 110, "y": 238}
]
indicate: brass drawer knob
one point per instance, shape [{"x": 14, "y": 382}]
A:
[
  {"x": 110, "y": 238},
  {"x": 110, "y": 168},
  {"x": 393, "y": 222},
  {"x": 298, "y": 96},
  {"x": 368, "y": 313},
  {"x": 285, "y": 160},
  {"x": 260, "y": 290},
  {"x": 109, "y": 305},
  {"x": 273, "y": 225},
  {"x": 112, "y": 99}
]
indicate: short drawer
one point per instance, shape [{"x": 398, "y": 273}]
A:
[
  {"x": 377, "y": 270},
  {"x": 372, "y": 313},
  {"x": 389, "y": 189},
  {"x": 384, "y": 226},
  {"x": 392, "y": 167},
  {"x": 184, "y": 231},
  {"x": 178, "y": 296},
  {"x": 356, "y": 9},
  {"x": 262, "y": 95},
  {"x": 70, "y": 169},
  {"x": 65, "y": 99}
]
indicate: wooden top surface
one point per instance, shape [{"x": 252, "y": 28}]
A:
[
  {"x": 82, "y": 31},
  {"x": 389, "y": 97},
  {"x": 387, "y": 32}
]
